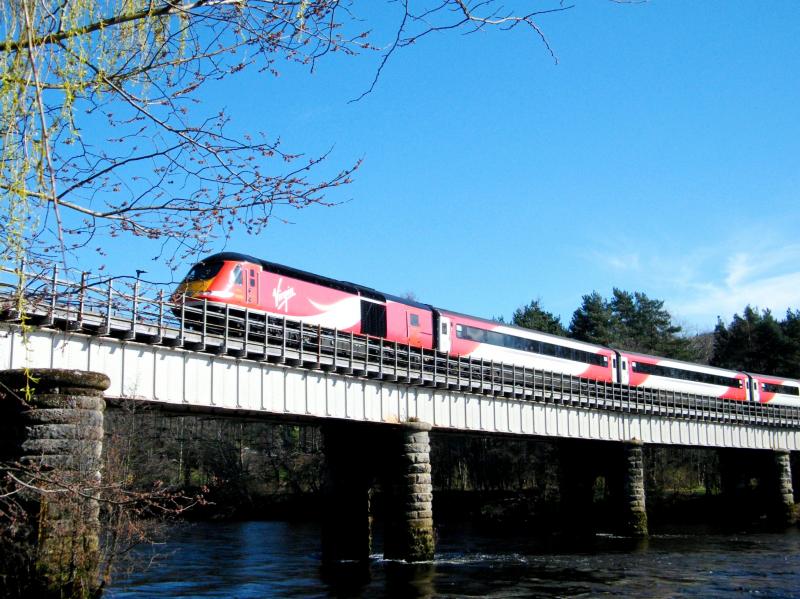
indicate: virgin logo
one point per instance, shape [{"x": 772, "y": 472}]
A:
[{"x": 282, "y": 296}]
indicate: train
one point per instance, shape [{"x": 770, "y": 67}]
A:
[{"x": 244, "y": 282}]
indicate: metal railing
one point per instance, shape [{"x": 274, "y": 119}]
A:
[{"x": 122, "y": 308}]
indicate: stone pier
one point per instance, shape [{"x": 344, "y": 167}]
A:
[
  {"x": 409, "y": 513},
  {"x": 51, "y": 438},
  {"x": 783, "y": 509},
  {"x": 633, "y": 519},
  {"x": 394, "y": 459}
]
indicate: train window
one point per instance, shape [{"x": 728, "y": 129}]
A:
[
  {"x": 373, "y": 319},
  {"x": 444, "y": 328},
  {"x": 413, "y": 320},
  {"x": 686, "y": 375},
  {"x": 530, "y": 345},
  {"x": 786, "y": 389},
  {"x": 204, "y": 271},
  {"x": 237, "y": 274}
]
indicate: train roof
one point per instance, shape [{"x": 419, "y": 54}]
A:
[
  {"x": 637, "y": 354},
  {"x": 311, "y": 277},
  {"x": 773, "y": 376}
]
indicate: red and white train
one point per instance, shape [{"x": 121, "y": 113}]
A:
[{"x": 258, "y": 285}]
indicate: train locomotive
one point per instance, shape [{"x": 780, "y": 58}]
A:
[{"x": 245, "y": 282}]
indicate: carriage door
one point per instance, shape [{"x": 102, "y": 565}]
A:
[
  {"x": 445, "y": 329},
  {"x": 623, "y": 369},
  {"x": 755, "y": 394},
  {"x": 413, "y": 329},
  {"x": 251, "y": 286}
]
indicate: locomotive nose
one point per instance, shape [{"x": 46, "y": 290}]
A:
[{"x": 188, "y": 289}]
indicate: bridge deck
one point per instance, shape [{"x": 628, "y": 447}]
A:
[{"x": 144, "y": 347}]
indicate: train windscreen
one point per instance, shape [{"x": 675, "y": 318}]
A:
[{"x": 203, "y": 271}]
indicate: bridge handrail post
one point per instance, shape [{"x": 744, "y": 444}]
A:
[
  {"x": 161, "y": 313},
  {"x": 283, "y": 337},
  {"x": 204, "y": 329},
  {"x": 182, "y": 330},
  {"x": 81, "y": 297},
  {"x": 266, "y": 336},
  {"x": 319, "y": 344},
  {"x": 352, "y": 351},
  {"x": 226, "y": 327},
  {"x": 109, "y": 306},
  {"x": 302, "y": 339},
  {"x": 53, "y": 293},
  {"x": 135, "y": 311}
]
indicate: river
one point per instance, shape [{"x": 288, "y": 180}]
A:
[{"x": 280, "y": 559}]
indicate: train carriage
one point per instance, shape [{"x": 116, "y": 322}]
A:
[
  {"x": 773, "y": 390},
  {"x": 273, "y": 289},
  {"x": 472, "y": 337},
  {"x": 684, "y": 377}
]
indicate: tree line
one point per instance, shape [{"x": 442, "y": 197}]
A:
[{"x": 755, "y": 341}]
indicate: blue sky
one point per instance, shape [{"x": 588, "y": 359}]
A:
[{"x": 661, "y": 154}]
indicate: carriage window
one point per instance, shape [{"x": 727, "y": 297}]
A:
[
  {"x": 686, "y": 375},
  {"x": 786, "y": 389},
  {"x": 530, "y": 345},
  {"x": 237, "y": 275},
  {"x": 444, "y": 328},
  {"x": 413, "y": 320}
]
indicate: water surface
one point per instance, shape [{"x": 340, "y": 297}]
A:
[{"x": 279, "y": 559}]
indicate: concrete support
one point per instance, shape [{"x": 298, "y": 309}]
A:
[
  {"x": 51, "y": 426},
  {"x": 634, "y": 513},
  {"x": 783, "y": 512},
  {"x": 409, "y": 510},
  {"x": 347, "y": 522}
]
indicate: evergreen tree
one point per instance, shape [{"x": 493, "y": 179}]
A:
[
  {"x": 533, "y": 316},
  {"x": 790, "y": 356},
  {"x": 757, "y": 342},
  {"x": 630, "y": 321},
  {"x": 592, "y": 322}
]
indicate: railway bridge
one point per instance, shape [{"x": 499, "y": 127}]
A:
[{"x": 378, "y": 401}]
